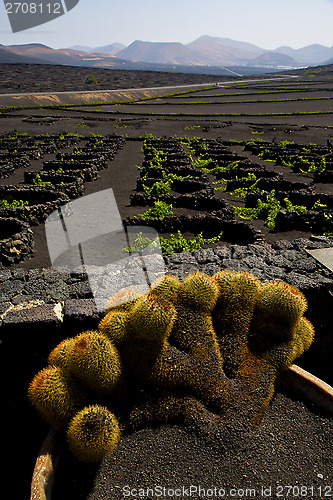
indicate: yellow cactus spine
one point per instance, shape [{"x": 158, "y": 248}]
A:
[
  {"x": 199, "y": 292},
  {"x": 56, "y": 396},
  {"x": 95, "y": 361},
  {"x": 122, "y": 300},
  {"x": 114, "y": 325},
  {"x": 166, "y": 287},
  {"x": 152, "y": 318},
  {"x": 232, "y": 316},
  {"x": 305, "y": 334},
  {"x": 278, "y": 310},
  {"x": 59, "y": 355},
  {"x": 238, "y": 294},
  {"x": 93, "y": 433},
  {"x": 283, "y": 355}
]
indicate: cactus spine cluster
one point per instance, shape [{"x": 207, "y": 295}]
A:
[
  {"x": 95, "y": 361},
  {"x": 93, "y": 433},
  {"x": 210, "y": 346},
  {"x": 56, "y": 395}
]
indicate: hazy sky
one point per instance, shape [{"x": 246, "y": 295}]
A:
[{"x": 266, "y": 23}]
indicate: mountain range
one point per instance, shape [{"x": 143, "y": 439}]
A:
[
  {"x": 215, "y": 51},
  {"x": 206, "y": 54}
]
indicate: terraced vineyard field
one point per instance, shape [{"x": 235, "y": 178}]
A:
[
  {"x": 214, "y": 191},
  {"x": 237, "y": 176}
]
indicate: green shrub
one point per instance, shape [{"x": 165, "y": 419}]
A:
[
  {"x": 13, "y": 204},
  {"x": 159, "y": 187},
  {"x": 173, "y": 244},
  {"x": 38, "y": 181},
  {"x": 268, "y": 209},
  {"x": 161, "y": 209},
  {"x": 91, "y": 80}
]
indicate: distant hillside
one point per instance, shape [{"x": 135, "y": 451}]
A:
[
  {"x": 313, "y": 71},
  {"x": 7, "y": 57},
  {"x": 205, "y": 55},
  {"x": 82, "y": 48},
  {"x": 69, "y": 57},
  {"x": 47, "y": 54},
  {"x": 111, "y": 49},
  {"x": 276, "y": 59},
  {"x": 224, "y": 51},
  {"x": 310, "y": 55},
  {"x": 161, "y": 53}
]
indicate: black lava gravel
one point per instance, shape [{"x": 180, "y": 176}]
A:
[{"x": 289, "y": 455}]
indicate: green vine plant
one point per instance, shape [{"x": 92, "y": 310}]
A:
[
  {"x": 151, "y": 136},
  {"x": 313, "y": 167},
  {"x": 196, "y": 145},
  {"x": 221, "y": 187},
  {"x": 95, "y": 135},
  {"x": 13, "y": 204},
  {"x": 242, "y": 192},
  {"x": 205, "y": 164},
  {"x": 192, "y": 127},
  {"x": 173, "y": 244},
  {"x": 319, "y": 205},
  {"x": 187, "y": 141},
  {"x": 159, "y": 187},
  {"x": 73, "y": 134},
  {"x": 327, "y": 229},
  {"x": 267, "y": 209},
  {"x": 174, "y": 177},
  {"x": 254, "y": 141},
  {"x": 159, "y": 157},
  {"x": 265, "y": 154},
  {"x": 328, "y": 225},
  {"x": 230, "y": 166},
  {"x": 317, "y": 167},
  {"x": 82, "y": 124},
  {"x": 38, "y": 181},
  {"x": 161, "y": 209}
]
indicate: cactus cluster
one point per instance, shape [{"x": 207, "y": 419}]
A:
[{"x": 212, "y": 345}]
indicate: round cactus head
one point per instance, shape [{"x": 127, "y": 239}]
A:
[
  {"x": 166, "y": 287},
  {"x": 59, "y": 355},
  {"x": 56, "y": 396},
  {"x": 95, "y": 361},
  {"x": 278, "y": 310},
  {"x": 239, "y": 287},
  {"x": 238, "y": 293},
  {"x": 152, "y": 318},
  {"x": 282, "y": 355},
  {"x": 199, "y": 291},
  {"x": 223, "y": 277},
  {"x": 303, "y": 338},
  {"x": 114, "y": 325},
  {"x": 93, "y": 433},
  {"x": 123, "y": 299}
]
